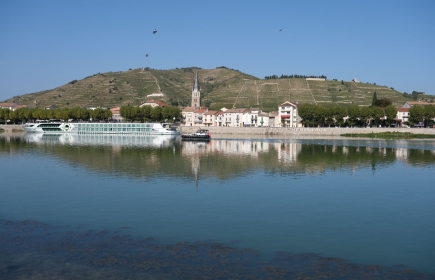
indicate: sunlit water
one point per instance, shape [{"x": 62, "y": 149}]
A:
[{"x": 368, "y": 203}]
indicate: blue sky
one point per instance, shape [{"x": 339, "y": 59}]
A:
[{"x": 47, "y": 43}]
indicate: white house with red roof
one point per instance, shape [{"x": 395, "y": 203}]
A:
[
  {"x": 198, "y": 116},
  {"x": 116, "y": 114},
  {"x": 402, "y": 115},
  {"x": 8, "y": 105},
  {"x": 154, "y": 103},
  {"x": 188, "y": 116},
  {"x": 209, "y": 118}
]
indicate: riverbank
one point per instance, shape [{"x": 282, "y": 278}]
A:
[
  {"x": 302, "y": 131},
  {"x": 11, "y": 127},
  {"x": 279, "y": 131}
]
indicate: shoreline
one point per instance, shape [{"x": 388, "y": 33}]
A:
[
  {"x": 277, "y": 131},
  {"x": 305, "y": 131}
]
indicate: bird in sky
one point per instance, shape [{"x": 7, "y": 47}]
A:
[
  {"x": 146, "y": 55},
  {"x": 154, "y": 31},
  {"x": 280, "y": 30}
]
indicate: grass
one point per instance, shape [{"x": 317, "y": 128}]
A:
[{"x": 391, "y": 135}]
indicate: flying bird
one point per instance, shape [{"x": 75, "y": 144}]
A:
[
  {"x": 154, "y": 31},
  {"x": 146, "y": 55},
  {"x": 280, "y": 30}
]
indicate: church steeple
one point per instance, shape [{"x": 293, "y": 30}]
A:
[{"x": 196, "y": 93}]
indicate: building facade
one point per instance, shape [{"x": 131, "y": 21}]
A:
[{"x": 288, "y": 114}]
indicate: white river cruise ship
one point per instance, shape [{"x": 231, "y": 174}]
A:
[{"x": 99, "y": 128}]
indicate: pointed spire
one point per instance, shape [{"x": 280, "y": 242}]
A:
[{"x": 196, "y": 85}]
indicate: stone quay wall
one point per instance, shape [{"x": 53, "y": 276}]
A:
[
  {"x": 12, "y": 127},
  {"x": 278, "y": 131},
  {"x": 315, "y": 131}
]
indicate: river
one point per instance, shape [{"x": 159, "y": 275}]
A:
[{"x": 123, "y": 207}]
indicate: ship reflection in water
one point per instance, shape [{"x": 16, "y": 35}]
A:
[{"x": 103, "y": 140}]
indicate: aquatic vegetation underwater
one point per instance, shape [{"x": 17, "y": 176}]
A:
[{"x": 41, "y": 251}]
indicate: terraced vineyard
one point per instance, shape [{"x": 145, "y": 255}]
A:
[{"x": 220, "y": 87}]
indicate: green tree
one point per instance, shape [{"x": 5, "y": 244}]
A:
[
  {"x": 329, "y": 115},
  {"x": 319, "y": 117},
  {"x": 383, "y": 102},
  {"x": 97, "y": 114},
  {"x": 365, "y": 115},
  {"x": 4, "y": 115},
  {"x": 156, "y": 113},
  {"x": 306, "y": 112},
  {"x": 374, "y": 99},
  {"x": 429, "y": 114},
  {"x": 146, "y": 112},
  {"x": 390, "y": 113},
  {"x": 353, "y": 114},
  {"x": 13, "y": 116},
  {"x": 377, "y": 113},
  {"x": 339, "y": 114},
  {"x": 416, "y": 114},
  {"x": 127, "y": 113},
  {"x": 83, "y": 114}
]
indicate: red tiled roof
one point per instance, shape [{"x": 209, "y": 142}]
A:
[
  {"x": 8, "y": 104},
  {"x": 115, "y": 110},
  {"x": 287, "y": 103},
  {"x": 210, "y": 112},
  {"x": 20, "y": 106},
  {"x": 189, "y": 109},
  {"x": 200, "y": 111}
]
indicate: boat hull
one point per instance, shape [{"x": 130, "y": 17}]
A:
[
  {"x": 195, "y": 138},
  {"x": 199, "y": 135}
]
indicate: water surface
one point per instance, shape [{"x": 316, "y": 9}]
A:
[{"x": 264, "y": 207}]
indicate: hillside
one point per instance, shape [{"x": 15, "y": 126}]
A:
[{"x": 220, "y": 87}]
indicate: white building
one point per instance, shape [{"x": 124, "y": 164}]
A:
[
  {"x": 288, "y": 114},
  {"x": 188, "y": 116},
  {"x": 154, "y": 103},
  {"x": 209, "y": 118},
  {"x": 116, "y": 114},
  {"x": 402, "y": 115},
  {"x": 236, "y": 117},
  {"x": 263, "y": 120}
]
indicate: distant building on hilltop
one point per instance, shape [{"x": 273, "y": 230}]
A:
[
  {"x": 155, "y": 95},
  {"x": 154, "y": 103},
  {"x": 315, "y": 79},
  {"x": 409, "y": 104}
]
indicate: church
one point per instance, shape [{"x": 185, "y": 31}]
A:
[
  {"x": 196, "y": 93},
  {"x": 193, "y": 115}
]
